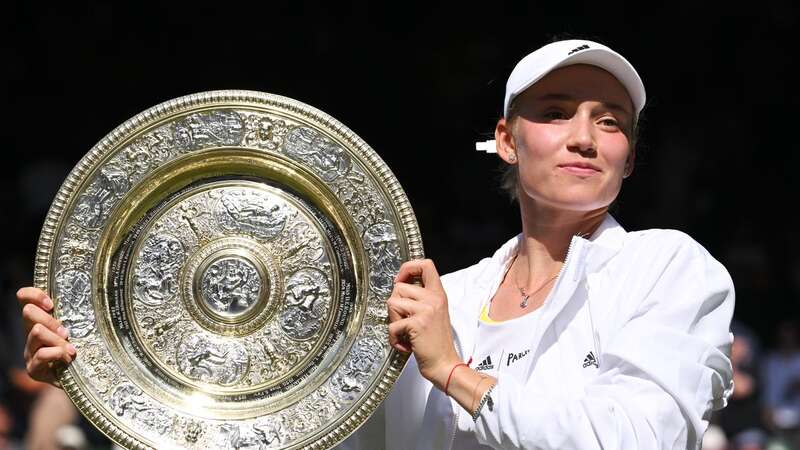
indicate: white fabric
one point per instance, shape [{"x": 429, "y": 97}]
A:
[
  {"x": 652, "y": 306},
  {"x": 501, "y": 351},
  {"x": 539, "y": 63}
]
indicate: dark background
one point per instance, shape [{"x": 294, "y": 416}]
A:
[{"x": 719, "y": 154}]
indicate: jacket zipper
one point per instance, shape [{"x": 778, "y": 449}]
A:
[
  {"x": 460, "y": 352},
  {"x": 567, "y": 259}
]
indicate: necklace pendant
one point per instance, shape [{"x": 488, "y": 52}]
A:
[{"x": 524, "y": 302}]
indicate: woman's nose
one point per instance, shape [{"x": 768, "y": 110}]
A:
[{"x": 581, "y": 137}]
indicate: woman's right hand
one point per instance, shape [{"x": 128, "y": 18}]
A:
[{"x": 47, "y": 342}]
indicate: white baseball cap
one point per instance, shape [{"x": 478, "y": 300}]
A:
[{"x": 566, "y": 53}]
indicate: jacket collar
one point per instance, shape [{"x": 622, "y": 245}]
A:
[
  {"x": 586, "y": 256},
  {"x": 601, "y": 246}
]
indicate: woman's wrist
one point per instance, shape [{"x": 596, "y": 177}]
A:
[
  {"x": 444, "y": 371},
  {"x": 468, "y": 386}
]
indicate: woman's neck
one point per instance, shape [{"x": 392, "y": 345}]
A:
[{"x": 546, "y": 235}]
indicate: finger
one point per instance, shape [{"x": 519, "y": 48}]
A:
[
  {"x": 34, "y": 314},
  {"x": 40, "y": 366},
  {"x": 398, "y": 335},
  {"x": 394, "y": 315},
  {"x": 40, "y": 337},
  {"x": 36, "y": 296},
  {"x": 414, "y": 292},
  {"x": 422, "y": 268},
  {"x": 404, "y": 307}
]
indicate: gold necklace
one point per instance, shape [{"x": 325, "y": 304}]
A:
[{"x": 525, "y": 295}]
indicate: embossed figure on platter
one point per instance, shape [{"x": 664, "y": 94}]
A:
[
  {"x": 250, "y": 213},
  {"x": 211, "y": 361},
  {"x": 219, "y": 261},
  {"x": 206, "y": 129},
  {"x": 127, "y": 400},
  {"x": 95, "y": 204},
  {"x": 381, "y": 245},
  {"x": 156, "y": 277},
  {"x": 75, "y": 291},
  {"x": 307, "y": 297},
  {"x": 231, "y": 285},
  {"x": 328, "y": 158}
]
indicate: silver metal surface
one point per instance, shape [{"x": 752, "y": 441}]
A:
[{"x": 222, "y": 261}]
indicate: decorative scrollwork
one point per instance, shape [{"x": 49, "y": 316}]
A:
[
  {"x": 380, "y": 242},
  {"x": 329, "y": 159},
  {"x": 74, "y": 292},
  {"x": 223, "y": 284},
  {"x": 95, "y": 204},
  {"x": 128, "y": 400}
]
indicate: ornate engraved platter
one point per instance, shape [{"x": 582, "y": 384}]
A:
[{"x": 222, "y": 262}]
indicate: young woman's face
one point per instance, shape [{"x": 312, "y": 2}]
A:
[{"x": 571, "y": 138}]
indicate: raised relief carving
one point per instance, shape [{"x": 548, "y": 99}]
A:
[
  {"x": 293, "y": 252},
  {"x": 128, "y": 401},
  {"x": 345, "y": 176},
  {"x": 74, "y": 295},
  {"x": 278, "y": 353},
  {"x": 155, "y": 278},
  {"x": 147, "y": 152},
  {"x": 306, "y": 298},
  {"x": 261, "y": 435},
  {"x": 263, "y": 132},
  {"x": 328, "y": 159},
  {"x": 383, "y": 251},
  {"x": 303, "y": 245},
  {"x": 213, "y": 129},
  {"x": 362, "y": 361},
  {"x": 230, "y": 285},
  {"x": 97, "y": 201},
  {"x": 193, "y": 431},
  {"x": 246, "y": 211},
  {"x": 215, "y": 362}
]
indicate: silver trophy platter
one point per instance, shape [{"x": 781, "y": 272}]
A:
[{"x": 222, "y": 262}]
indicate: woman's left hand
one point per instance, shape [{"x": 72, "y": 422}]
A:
[{"x": 419, "y": 320}]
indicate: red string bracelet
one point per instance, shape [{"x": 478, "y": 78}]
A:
[{"x": 446, "y": 385}]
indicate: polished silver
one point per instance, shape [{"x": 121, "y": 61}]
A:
[{"x": 222, "y": 262}]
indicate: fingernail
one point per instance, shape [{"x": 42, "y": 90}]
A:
[
  {"x": 71, "y": 349},
  {"x": 63, "y": 332},
  {"x": 48, "y": 302}
]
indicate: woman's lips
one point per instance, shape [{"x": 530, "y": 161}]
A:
[{"x": 579, "y": 169}]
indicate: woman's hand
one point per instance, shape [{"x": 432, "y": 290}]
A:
[
  {"x": 47, "y": 339},
  {"x": 419, "y": 321}
]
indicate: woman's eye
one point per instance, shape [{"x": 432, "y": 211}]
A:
[{"x": 609, "y": 122}]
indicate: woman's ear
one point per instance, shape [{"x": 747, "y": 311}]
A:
[
  {"x": 504, "y": 141},
  {"x": 629, "y": 163}
]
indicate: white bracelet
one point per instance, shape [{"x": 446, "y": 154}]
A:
[{"x": 485, "y": 400}]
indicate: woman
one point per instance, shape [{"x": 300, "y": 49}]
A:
[{"x": 576, "y": 334}]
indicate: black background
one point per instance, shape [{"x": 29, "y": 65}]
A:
[{"x": 421, "y": 83}]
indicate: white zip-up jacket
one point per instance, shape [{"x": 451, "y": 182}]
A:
[{"x": 653, "y": 306}]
